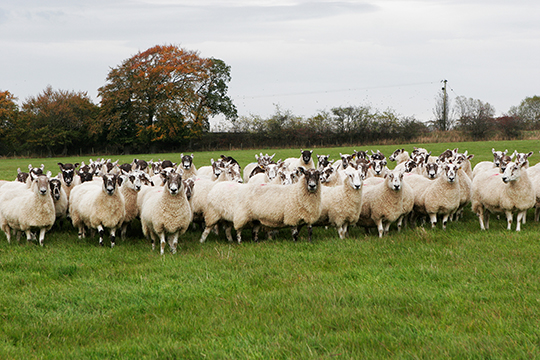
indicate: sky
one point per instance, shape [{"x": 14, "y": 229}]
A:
[{"x": 301, "y": 56}]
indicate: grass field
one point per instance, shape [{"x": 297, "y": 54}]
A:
[{"x": 421, "y": 293}]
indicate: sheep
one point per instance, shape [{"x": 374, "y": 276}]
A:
[
  {"x": 68, "y": 176},
  {"x": 486, "y": 165},
  {"x": 257, "y": 167},
  {"x": 341, "y": 205},
  {"x": 378, "y": 164},
  {"x": 188, "y": 168},
  {"x": 97, "y": 207},
  {"x": 166, "y": 212},
  {"x": 60, "y": 198},
  {"x": 383, "y": 201},
  {"x": 344, "y": 162},
  {"x": 130, "y": 187},
  {"x": 322, "y": 161},
  {"x": 23, "y": 209},
  {"x": 139, "y": 164},
  {"x": 506, "y": 193},
  {"x": 270, "y": 173},
  {"x": 220, "y": 207},
  {"x": 399, "y": 156},
  {"x": 277, "y": 206},
  {"x": 440, "y": 196},
  {"x": 213, "y": 171},
  {"x": 305, "y": 160},
  {"x": 534, "y": 175}
]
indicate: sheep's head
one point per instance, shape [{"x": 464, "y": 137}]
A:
[
  {"x": 22, "y": 176},
  {"x": 450, "y": 171},
  {"x": 109, "y": 183},
  {"x": 322, "y": 161},
  {"x": 356, "y": 178},
  {"x": 512, "y": 172},
  {"x": 306, "y": 156},
  {"x": 173, "y": 183},
  {"x": 326, "y": 173},
  {"x": 395, "y": 154},
  {"x": 68, "y": 171},
  {"x": 497, "y": 156},
  {"x": 56, "y": 185},
  {"x": 394, "y": 180},
  {"x": 346, "y": 160},
  {"x": 432, "y": 170},
  {"x": 311, "y": 177},
  {"x": 42, "y": 183},
  {"x": 187, "y": 161},
  {"x": 189, "y": 184}
]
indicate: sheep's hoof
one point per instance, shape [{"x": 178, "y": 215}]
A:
[
  {"x": 100, "y": 242},
  {"x": 173, "y": 251}
]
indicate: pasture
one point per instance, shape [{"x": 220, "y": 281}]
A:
[{"x": 421, "y": 293}]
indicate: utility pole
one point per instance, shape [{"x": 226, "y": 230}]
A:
[{"x": 445, "y": 106}]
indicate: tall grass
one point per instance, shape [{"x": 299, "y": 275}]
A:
[{"x": 421, "y": 293}]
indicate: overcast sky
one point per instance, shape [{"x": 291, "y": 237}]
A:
[{"x": 303, "y": 56}]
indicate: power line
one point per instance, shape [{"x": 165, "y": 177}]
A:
[{"x": 334, "y": 91}]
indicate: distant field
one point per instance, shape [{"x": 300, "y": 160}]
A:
[{"x": 421, "y": 293}]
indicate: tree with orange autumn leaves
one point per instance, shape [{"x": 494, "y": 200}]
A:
[{"x": 165, "y": 94}]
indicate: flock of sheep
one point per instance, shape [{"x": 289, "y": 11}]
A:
[{"x": 356, "y": 190}]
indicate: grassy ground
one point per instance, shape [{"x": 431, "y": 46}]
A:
[{"x": 422, "y": 293}]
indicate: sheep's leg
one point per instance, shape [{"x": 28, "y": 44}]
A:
[
  {"x": 173, "y": 242},
  {"x": 520, "y": 216},
  {"x": 380, "y": 227},
  {"x": 509, "y": 219},
  {"x": 228, "y": 232},
  {"x": 153, "y": 237},
  {"x": 238, "y": 235},
  {"x": 113, "y": 237},
  {"x": 205, "y": 233},
  {"x": 342, "y": 231},
  {"x": 387, "y": 227},
  {"x": 82, "y": 233},
  {"x": 28, "y": 235},
  {"x": 7, "y": 231},
  {"x": 101, "y": 234},
  {"x": 124, "y": 231},
  {"x": 524, "y": 218},
  {"x": 537, "y": 213},
  {"x": 445, "y": 221},
  {"x": 399, "y": 223},
  {"x": 433, "y": 219},
  {"x": 255, "y": 232},
  {"x": 310, "y": 232},
  {"x": 162, "y": 242},
  {"x": 18, "y": 235},
  {"x": 486, "y": 219},
  {"x": 295, "y": 233},
  {"x": 41, "y": 236}
]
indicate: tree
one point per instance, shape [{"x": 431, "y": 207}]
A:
[
  {"x": 529, "y": 111},
  {"x": 9, "y": 111},
  {"x": 442, "y": 121},
  {"x": 164, "y": 94},
  {"x": 56, "y": 120},
  {"x": 474, "y": 116}
]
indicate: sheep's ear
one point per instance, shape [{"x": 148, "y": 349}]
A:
[
  {"x": 49, "y": 174},
  {"x": 29, "y": 167},
  {"x": 60, "y": 164},
  {"x": 19, "y": 170},
  {"x": 469, "y": 157},
  {"x": 529, "y": 154},
  {"x": 311, "y": 152},
  {"x": 301, "y": 170}
]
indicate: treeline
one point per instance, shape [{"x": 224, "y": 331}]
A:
[{"x": 162, "y": 100}]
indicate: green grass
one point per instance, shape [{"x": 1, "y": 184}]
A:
[{"x": 421, "y": 293}]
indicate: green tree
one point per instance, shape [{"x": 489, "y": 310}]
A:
[
  {"x": 9, "y": 111},
  {"x": 56, "y": 120},
  {"x": 529, "y": 111},
  {"x": 474, "y": 117},
  {"x": 164, "y": 94}
]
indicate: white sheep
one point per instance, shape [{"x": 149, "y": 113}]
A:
[
  {"x": 24, "y": 209},
  {"x": 305, "y": 160},
  {"x": 383, "y": 201},
  {"x": 487, "y": 165},
  {"x": 509, "y": 192},
  {"x": 341, "y": 205},
  {"x": 98, "y": 207},
  {"x": 189, "y": 169},
  {"x": 131, "y": 184},
  {"x": 277, "y": 206},
  {"x": 399, "y": 156},
  {"x": 220, "y": 207},
  {"x": 59, "y": 196},
  {"x": 440, "y": 197},
  {"x": 166, "y": 212}
]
